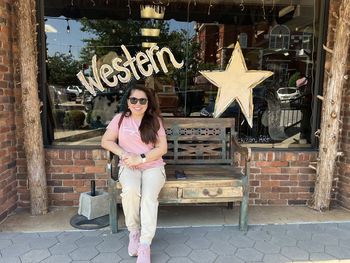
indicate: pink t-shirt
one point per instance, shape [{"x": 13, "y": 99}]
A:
[{"x": 129, "y": 138}]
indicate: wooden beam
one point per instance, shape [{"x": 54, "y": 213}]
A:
[
  {"x": 330, "y": 124},
  {"x": 32, "y": 131}
]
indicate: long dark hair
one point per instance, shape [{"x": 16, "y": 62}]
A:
[{"x": 150, "y": 122}]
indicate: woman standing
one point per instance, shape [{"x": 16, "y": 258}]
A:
[{"x": 141, "y": 145}]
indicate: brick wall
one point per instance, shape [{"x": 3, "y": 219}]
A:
[
  {"x": 281, "y": 177},
  {"x": 343, "y": 165},
  {"x": 277, "y": 178},
  {"x": 8, "y": 184},
  {"x": 69, "y": 173}
]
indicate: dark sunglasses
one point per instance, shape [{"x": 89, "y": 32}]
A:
[{"x": 143, "y": 101}]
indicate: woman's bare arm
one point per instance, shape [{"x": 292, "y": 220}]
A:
[{"x": 108, "y": 142}]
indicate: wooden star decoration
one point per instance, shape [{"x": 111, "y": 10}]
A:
[{"x": 236, "y": 83}]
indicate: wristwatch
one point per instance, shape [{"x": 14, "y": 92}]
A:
[{"x": 143, "y": 157}]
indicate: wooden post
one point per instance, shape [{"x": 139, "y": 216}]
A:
[
  {"x": 32, "y": 131},
  {"x": 328, "y": 150}
]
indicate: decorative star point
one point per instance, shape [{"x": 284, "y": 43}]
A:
[{"x": 236, "y": 83}]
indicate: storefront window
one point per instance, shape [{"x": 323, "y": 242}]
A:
[{"x": 280, "y": 37}]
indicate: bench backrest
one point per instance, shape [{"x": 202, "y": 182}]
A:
[{"x": 199, "y": 140}]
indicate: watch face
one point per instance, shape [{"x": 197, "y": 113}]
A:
[{"x": 143, "y": 156}]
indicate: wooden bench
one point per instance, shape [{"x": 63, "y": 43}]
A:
[{"x": 203, "y": 148}]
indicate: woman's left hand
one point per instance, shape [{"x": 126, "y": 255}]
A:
[{"x": 132, "y": 160}]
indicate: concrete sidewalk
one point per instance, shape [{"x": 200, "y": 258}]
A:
[{"x": 318, "y": 242}]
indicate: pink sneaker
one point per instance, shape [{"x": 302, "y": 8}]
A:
[
  {"x": 134, "y": 240},
  {"x": 144, "y": 254}
]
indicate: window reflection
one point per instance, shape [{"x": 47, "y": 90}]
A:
[{"x": 280, "y": 38}]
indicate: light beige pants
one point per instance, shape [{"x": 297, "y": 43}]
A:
[{"x": 140, "y": 189}]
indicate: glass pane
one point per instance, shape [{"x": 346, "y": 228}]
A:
[{"x": 280, "y": 36}]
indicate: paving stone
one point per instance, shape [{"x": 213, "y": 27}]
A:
[
  {"x": 49, "y": 234},
  {"x": 198, "y": 243},
  {"x": 69, "y": 236},
  {"x": 159, "y": 257},
  {"x": 202, "y": 256},
  {"x": 123, "y": 253},
  {"x": 311, "y": 246},
  {"x": 275, "y": 258},
  {"x": 338, "y": 252},
  {"x": 88, "y": 241},
  {"x": 283, "y": 241},
  {"x": 15, "y": 250},
  {"x": 255, "y": 227},
  {"x": 259, "y": 235},
  {"x": 91, "y": 233},
  {"x": 295, "y": 253},
  {"x": 119, "y": 234},
  {"x": 241, "y": 241},
  {"x": 41, "y": 243},
  {"x": 176, "y": 230},
  {"x": 266, "y": 247},
  {"x": 124, "y": 240},
  {"x": 110, "y": 244},
  {"x": 311, "y": 227},
  {"x": 218, "y": 235},
  {"x": 328, "y": 226},
  {"x": 8, "y": 235},
  {"x": 84, "y": 253},
  {"x": 227, "y": 259},
  {"x": 10, "y": 260},
  {"x": 344, "y": 243},
  {"x": 27, "y": 235},
  {"x": 159, "y": 244},
  {"x": 180, "y": 260},
  {"x": 196, "y": 231},
  {"x": 222, "y": 248},
  {"x": 292, "y": 227},
  {"x": 57, "y": 259},
  {"x": 214, "y": 228},
  {"x": 175, "y": 238},
  {"x": 63, "y": 248},
  {"x": 321, "y": 256},
  {"x": 106, "y": 257},
  {"x": 249, "y": 254},
  {"x": 35, "y": 255},
  {"x": 178, "y": 250},
  {"x": 342, "y": 234},
  {"x": 345, "y": 226},
  {"x": 299, "y": 234},
  {"x": 5, "y": 243},
  {"x": 326, "y": 239},
  {"x": 275, "y": 229}
]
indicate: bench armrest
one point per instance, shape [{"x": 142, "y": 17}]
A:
[
  {"x": 246, "y": 151},
  {"x": 110, "y": 165}
]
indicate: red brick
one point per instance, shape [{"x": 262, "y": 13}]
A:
[
  {"x": 73, "y": 183},
  {"x": 72, "y": 169},
  {"x": 84, "y": 162},
  {"x": 269, "y": 183},
  {"x": 270, "y": 170},
  {"x": 280, "y": 189},
  {"x": 263, "y": 189},
  {"x": 95, "y": 169},
  {"x": 62, "y": 162},
  {"x": 280, "y": 177}
]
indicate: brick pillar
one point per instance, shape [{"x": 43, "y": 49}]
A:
[
  {"x": 8, "y": 143},
  {"x": 342, "y": 174}
]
